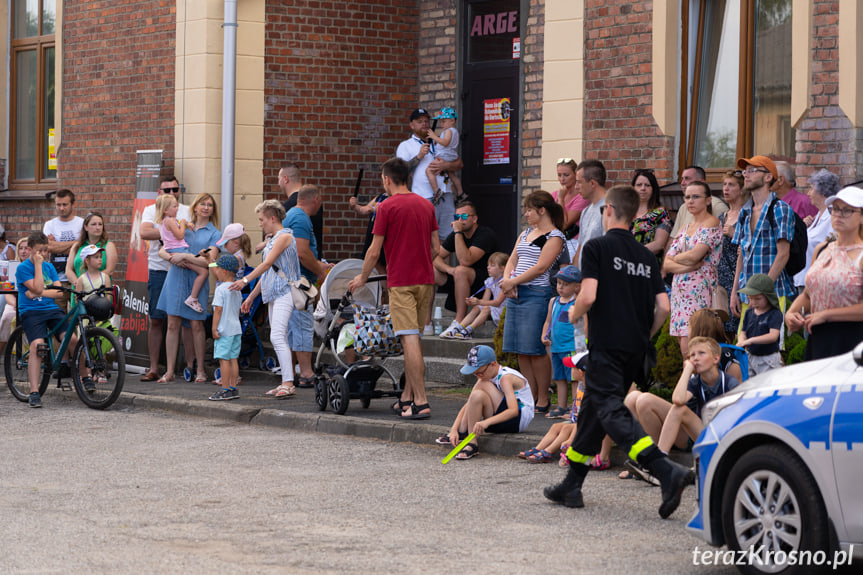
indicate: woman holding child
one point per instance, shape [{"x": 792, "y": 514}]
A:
[
  {"x": 526, "y": 283},
  {"x": 92, "y": 233},
  {"x": 692, "y": 258},
  {"x": 831, "y": 306},
  {"x": 201, "y": 236},
  {"x": 281, "y": 267}
]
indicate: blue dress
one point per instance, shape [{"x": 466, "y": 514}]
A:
[{"x": 178, "y": 283}]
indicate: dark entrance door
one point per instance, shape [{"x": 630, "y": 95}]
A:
[{"x": 491, "y": 114}]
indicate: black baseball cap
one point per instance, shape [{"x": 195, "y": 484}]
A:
[{"x": 418, "y": 113}]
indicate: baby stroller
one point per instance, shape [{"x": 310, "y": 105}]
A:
[{"x": 350, "y": 376}]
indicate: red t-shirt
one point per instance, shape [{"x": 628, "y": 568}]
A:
[{"x": 407, "y": 221}]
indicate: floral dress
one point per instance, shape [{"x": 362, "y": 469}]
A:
[
  {"x": 692, "y": 291},
  {"x": 644, "y": 227},
  {"x": 725, "y": 269}
]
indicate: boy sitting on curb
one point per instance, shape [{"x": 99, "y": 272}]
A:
[{"x": 500, "y": 402}]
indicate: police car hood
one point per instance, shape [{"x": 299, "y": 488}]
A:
[{"x": 828, "y": 371}]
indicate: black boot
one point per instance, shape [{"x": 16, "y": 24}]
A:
[
  {"x": 568, "y": 491},
  {"x": 673, "y": 478}
]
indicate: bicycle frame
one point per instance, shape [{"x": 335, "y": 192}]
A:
[{"x": 73, "y": 320}]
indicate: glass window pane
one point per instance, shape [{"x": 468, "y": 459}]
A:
[
  {"x": 26, "y": 18},
  {"x": 49, "y": 165},
  {"x": 25, "y": 114},
  {"x": 772, "y": 98},
  {"x": 49, "y": 16},
  {"x": 716, "y": 122}
]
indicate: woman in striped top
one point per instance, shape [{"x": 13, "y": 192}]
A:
[
  {"x": 527, "y": 285},
  {"x": 280, "y": 267}
]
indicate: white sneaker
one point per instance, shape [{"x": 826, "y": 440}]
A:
[
  {"x": 428, "y": 330},
  {"x": 448, "y": 332}
]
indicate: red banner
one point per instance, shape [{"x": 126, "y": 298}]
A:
[{"x": 495, "y": 129}]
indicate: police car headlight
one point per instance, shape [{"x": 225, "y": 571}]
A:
[{"x": 714, "y": 406}]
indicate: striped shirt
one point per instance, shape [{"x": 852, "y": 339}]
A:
[
  {"x": 528, "y": 255},
  {"x": 275, "y": 282}
]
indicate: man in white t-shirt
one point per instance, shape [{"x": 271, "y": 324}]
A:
[
  {"x": 418, "y": 153},
  {"x": 62, "y": 232},
  {"x": 158, "y": 271}
]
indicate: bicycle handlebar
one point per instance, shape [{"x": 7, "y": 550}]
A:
[{"x": 81, "y": 294}]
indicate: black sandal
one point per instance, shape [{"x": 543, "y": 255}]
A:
[
  {"x": 414, "y": 411},
  {"x": 470, "y": 450},
  {"x": 399, "y": 406}
]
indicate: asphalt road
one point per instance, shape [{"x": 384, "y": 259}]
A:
[{"x": 135, "y": 491}]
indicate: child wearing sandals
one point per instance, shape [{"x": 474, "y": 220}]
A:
[
  {"x": 559, "y": 335},
  {"x": 500, "y": 402},
  {"x": 172, "y": 233}
]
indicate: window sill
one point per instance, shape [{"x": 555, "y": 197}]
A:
[{"x": 25, "y": 194}]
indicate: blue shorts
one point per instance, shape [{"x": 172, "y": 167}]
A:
[
  {"x": 155, "y": 281},
  {"x": 37, "y": 323},
  {"x": 301, "y": 331},
  {"x": 560, "y": 372},
  {"x": 227, "y": 347}
]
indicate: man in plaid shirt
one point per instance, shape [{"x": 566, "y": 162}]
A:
[{"x": 762, "y": 248}]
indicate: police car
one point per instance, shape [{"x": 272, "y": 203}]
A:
[{"x": 780, "y": 469}]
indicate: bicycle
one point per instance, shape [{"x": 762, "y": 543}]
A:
[{"x": 97, "y": 351}]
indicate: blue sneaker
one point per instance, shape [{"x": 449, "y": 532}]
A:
[
  {"x": 225, "y": 395},
  {"x": 35, "y": 400}
]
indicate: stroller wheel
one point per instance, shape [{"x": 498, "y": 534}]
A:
[
  {"x": 321, "y": 392},
  {"x": 243, "y": 363},
  {"x": 270, "y": 363},
  {"x": 340, "y": 394}
]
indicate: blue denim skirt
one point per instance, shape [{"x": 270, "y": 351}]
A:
[{"x": 522, "y": 330}]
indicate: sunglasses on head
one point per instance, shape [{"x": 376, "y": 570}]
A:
[{"x": 565, "y": 161}]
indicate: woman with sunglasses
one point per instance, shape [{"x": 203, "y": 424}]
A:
[
  {"x": 831, "y": 306},
  {"x": 652, "y": 224},
  {"x": 93, "y": 232},
  {"x": 692, "y": 258},
  {"x": 735, "y": 195},
  {"x": 570, "y": 200}
]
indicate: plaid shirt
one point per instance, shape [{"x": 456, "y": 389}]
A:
[{"x": 759, "y": 248}]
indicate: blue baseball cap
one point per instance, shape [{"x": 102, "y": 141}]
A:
[
  {"x": 478, "y": 356},
  {"x": 226, "y": 262},
  {"x": 569, "y": 274}
]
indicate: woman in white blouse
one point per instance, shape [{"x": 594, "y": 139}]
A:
[{"x": 822, "y": 185}]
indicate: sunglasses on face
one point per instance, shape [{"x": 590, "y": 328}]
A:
[
  {"x": 462, "y": 217},
  {"x": 171, "y": 190}
]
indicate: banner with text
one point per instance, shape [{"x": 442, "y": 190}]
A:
[{"x": 495, "y": 130}]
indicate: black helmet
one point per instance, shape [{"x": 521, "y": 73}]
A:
[{"x": 99, "y": 308}]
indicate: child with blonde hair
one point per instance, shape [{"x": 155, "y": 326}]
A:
[
  {"x": 490, "y": 306},
  {"x": 172, "y": 233}
]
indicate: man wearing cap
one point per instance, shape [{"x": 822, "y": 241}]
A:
[
  {"x": 301, "y": 325},
  {"x": 157, "y": 272},
  {"x": 624, "y": 296},
  {"x": 500, "y": 402},
  {"x": 763, "y": 246},
  {"x": 417, "y": 152}
]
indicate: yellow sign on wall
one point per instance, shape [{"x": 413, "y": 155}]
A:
[{"x": 52, "y": 154}]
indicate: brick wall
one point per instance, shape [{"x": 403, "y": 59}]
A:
[
  {"x": 118, "y": 97},
  {"x": 532, "y": 45},
  {"x": 826, "y": 138},
  {"x": 619, "y": 128},
  {"x": 341, "y": 81},
  {"x": 439, "y": 37}
]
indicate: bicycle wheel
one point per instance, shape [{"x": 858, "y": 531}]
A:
[
  {"x": 107, "y": 368},
  {"x": 15, "y": 362}
]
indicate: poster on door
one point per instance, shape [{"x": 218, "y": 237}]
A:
[{"x": 495, "y": 129}]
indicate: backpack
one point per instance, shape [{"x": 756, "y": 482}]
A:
[
  {"x": 799, "y": 243},
  {"x": 735, "y": 353}
]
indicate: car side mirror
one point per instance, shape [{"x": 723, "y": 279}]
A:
[{"x": 858, "y": 354}]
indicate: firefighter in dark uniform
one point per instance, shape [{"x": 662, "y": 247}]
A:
[{"x": 624, "y": 297}]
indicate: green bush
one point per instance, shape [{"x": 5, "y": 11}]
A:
[
  {"x": 506, "y": 359},
  {"x": 795, "y": 347},
  {"x": 669, "y": 361}
]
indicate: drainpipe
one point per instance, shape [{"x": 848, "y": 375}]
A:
[{"x": 229, "y": 86}]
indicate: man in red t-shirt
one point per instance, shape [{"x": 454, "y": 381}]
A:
[{"x": 406, "y": 229}]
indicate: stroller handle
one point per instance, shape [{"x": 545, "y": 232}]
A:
[{"x": 376, "y": 279}]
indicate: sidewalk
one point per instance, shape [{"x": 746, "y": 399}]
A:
[{"x": 300, "y": 412}]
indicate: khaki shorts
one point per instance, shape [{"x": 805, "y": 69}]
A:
[{"x": 409, "y": 306}]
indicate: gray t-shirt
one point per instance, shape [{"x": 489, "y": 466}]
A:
[
  {"x": 591, "y": 226},
  {"x": 229, "y": 301}
]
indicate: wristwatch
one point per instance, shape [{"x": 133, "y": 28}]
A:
[{"x": 245, "y": 280}]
